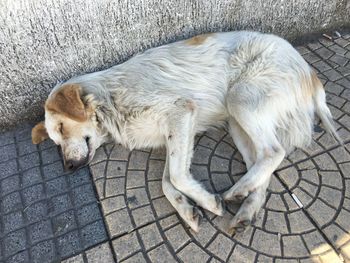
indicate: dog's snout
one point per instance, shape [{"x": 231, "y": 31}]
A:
[{"x": 71, "y": 165}]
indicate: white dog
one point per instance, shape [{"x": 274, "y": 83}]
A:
[{"x": 255, "y": 83}]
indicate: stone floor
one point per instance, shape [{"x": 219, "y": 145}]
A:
[{"x": 117, "y": 212}]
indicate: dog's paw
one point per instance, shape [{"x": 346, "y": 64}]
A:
[
  {"x": 239, "y": 223},
  {"x": 193, "y": 218},
  {"x": 236, "y": 194}
]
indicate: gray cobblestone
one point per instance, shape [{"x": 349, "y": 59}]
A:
[
  {"x": 93, "y": 233},
  {"x": 126, "y": 245},
  {"x": 101, "y": 253}
]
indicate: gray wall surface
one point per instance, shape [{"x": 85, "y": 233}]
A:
[{"x": 46, "y": 41}]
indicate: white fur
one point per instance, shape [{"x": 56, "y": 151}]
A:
[{"x": 258, "y": 83}]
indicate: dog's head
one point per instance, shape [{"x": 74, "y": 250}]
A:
[{"x": 71, "y": 124}]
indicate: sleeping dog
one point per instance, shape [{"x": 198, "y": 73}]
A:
[{"x": 257, "y": 85}]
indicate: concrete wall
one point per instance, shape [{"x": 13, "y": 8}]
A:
[{"x": 46, "y": 41}]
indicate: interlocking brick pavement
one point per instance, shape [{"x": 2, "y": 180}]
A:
[
  {"x": 305, "y": 217},
  {"x": 45, "y": 214}
]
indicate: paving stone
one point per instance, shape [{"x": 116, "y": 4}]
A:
[
  {"x": 40, "y": 231},
  {"x": 114, "y": 186},
  {"x": 113, "y": 204},
  {"x": 340, "y": 60},
  {"x": 219, "y": 165},
  {"x": 11, "y": 202},
  {"x": 116, "y": 169},
  {"x": 119, "y": 153},
  {"x": 177, "y": 236},
  {"x": 169, "y": 221},
  {"x": 275, "y": 202},
  {"x": 79, "y": 177},
  {"x": 155, "y": 170},
  {"x": 52, "y": 171},
  {"x": 7, "y": 152},
  {"x": 59, "y": 204},
  {"x": 221, "y": 247},
  {"x": 83, "y": 195},
  {"x": 155, "y": 189},
  {"x": 242, "y": 254},
  {"x": 93, "y": 233},
  {"x": 98, "y": 170},
  {"x": 294, "y": 246},
  {"x": 150, "y": 236},
  {"x": 88, "y": 214},
  {"x": 20, "y": 257},
  {"x": 193, "y": 253},
  {"x": 69, "y": 244},
  {"x": 9, "y": 184},
  {"x": 267, "y": 243},
  {"x": 118, "y": 222},
  {"x": 137, "y": 160},
  {"x": 162, "y": 207},
  {"x": 321, "y": 66},
  {"x": 12, "y": 221},
  {"x": 56, "y": 186},
  {"x": 126, "y": 245},
  {"x": 135, "y": 179},
  {"x": 29, "y": 161},
  {"x": 207, "y": 142},
  {"x": 201, "y": 155},
  {"x": 101, "y": 253},
  {"x": 6, "y": 138},
  {"x": 136, "y": 197},
  {"x": 64, "y": 223},
  {"x": 8, "y": 168},
  {"x": 138, "y": 258},
  {"x": 50, "y": 155},
  {"x": 143, "y": 215},
  {"x": 324, "y": 53},
  {"x": 337, "y": 235},
  {"x": 14, "y": 242},
  {"x": 77, "y": 259},
  {"x": 33, "y": 194},
  {"x": 31, "y": 177},
  {"x": 43, "y": 252},
  {"x": 161, "y": 254},
  {"x": 276, "y": 222},
  {"x": 36, "y": 212}
]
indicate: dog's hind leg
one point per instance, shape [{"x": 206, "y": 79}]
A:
[
  {"x": 252, "y": 114},
  {"x": 180, "y": 141},
  {"x": 242, "y": 142},
  {"x": 189, "y": 213},
  {"x": 249, "y": 209}
]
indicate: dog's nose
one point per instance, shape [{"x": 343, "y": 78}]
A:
[{"x": 71, "y": 165}]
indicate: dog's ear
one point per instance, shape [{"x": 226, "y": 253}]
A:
[
  {"x": 39, "y": 133},
  {"x": 67, "y": 101}
]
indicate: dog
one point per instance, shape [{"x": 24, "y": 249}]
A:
[{"x": 255, "y": 84}]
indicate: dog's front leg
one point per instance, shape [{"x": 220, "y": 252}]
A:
[
  {"x": 189, "y": 212},
  {"x": 179, "y": 143}
]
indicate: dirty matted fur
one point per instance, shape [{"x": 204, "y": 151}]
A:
[{"x": 256, "y": 84}]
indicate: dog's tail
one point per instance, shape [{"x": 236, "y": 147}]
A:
[{"x": 322, "y": 110}]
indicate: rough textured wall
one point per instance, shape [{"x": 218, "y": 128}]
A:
[{"x": 46, "y": 41}]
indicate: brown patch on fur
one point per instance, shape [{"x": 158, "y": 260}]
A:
[
  {"x": 67, "y": 101},
  {"x": 197, "y": 40},
  {"x": 316, "y": 82},
  {"x": 39, "y": 133}
]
